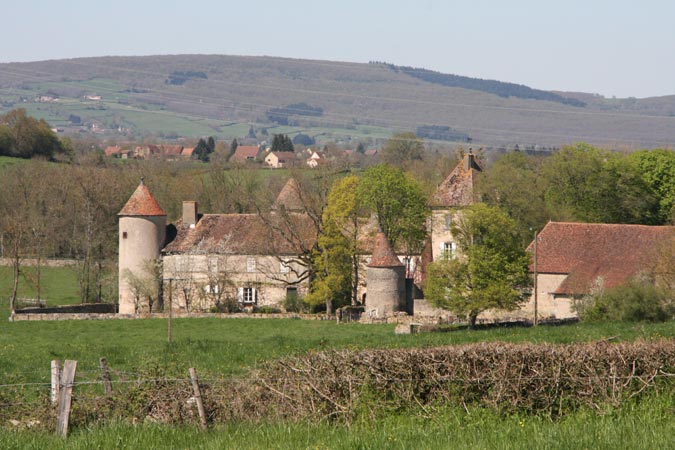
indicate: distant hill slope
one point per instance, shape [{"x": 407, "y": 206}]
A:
[
  {"x": 197, "y": 95},
  {"x": 499, "y": 88}
]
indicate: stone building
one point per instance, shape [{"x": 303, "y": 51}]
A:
[
  {"x": 452, "y": 195},
  {"x": 142, "y": 234},
  {"x": 576, "y": 259},
  {"x": 385, "y": 280}
]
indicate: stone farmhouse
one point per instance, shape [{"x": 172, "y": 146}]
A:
[
  {"x": 575, "y": 259},
  {"x": 260, "y": 259}
]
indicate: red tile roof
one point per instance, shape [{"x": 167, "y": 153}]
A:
[
  {"x": 142, "y": 203},
  {"x": 290, "y": 196},
  {"x": 244, "y": 152},
  {"x": 112, "y": 150},
  {"x": 588, "y": 251},
  {"x": 457, "y": 188},
  {"x": 245, "y": 234},
  {"x": 383, "y": 254}
]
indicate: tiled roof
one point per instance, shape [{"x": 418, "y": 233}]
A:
[
  {"x": 290, "y": 196},
  {"x": 187, "y": 151},
  {"x": 142, "y": 203},
  {"x": 457, "y": 188},
  {"x": 244, "y": 152},
  {"x": 284, "y": 156},
  {"x": 245, "y": 234},
  {"x": 383, "y": 254},
  {"x": 112, "y": 150},
  {"x": 588, "y": 251}
]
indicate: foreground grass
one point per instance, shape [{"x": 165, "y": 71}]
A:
[
  {"x": 646, "y": 425},
  {"x": 224, "y": 347}
]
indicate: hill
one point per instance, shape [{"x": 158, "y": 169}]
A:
[{"x": 176, "y": 96}]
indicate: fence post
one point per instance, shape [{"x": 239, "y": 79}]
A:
[
  {"x": 105, "y": 375},
  {"x": 65, "y": 397},
  {"x": 56, "y": 380},
  {"x": 198, "y": 398}
]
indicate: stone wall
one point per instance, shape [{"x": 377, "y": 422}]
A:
[{"x": 176, "y": 315}]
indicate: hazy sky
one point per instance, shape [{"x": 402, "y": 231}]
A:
[{"x": 611, "y": 47}]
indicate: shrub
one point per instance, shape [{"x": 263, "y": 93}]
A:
[
  {"x": 636, "y": 301},
  {"x": 295, "y": 304},
  {"x": 266, "y": 309}
]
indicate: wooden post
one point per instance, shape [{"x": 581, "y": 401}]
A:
[
  {"x": 56, "y": 380},
  {"x": 536, "y": 275},
  {"x": 105, "y": 376},
  {"x": 168, "y": 331},
  {"x": 65, "y": 397},
  {"x": 198, "y": 398}
]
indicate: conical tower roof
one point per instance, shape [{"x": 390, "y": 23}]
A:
[
  {"x": 289, "y": 197},
  {"x": 142, "y": 203},
  {"x": 383, "y": 254},
  {"x": 457, "y": 188}
]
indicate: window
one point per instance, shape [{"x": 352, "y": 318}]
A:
[
  {"x": 124, "y": 234},
  {"x": 448, "y": 250},
  {"x": 250, "y": 265},
  {"x": 448, "y": 221},
  {"x": 291, "y": 292},
  {"x": 247, "y": 295},
  {"x": 285, "y": 266}
]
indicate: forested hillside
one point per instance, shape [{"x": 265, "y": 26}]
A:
[{"x": 174, "y": 96}]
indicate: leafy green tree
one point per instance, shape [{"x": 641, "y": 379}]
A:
[
  {"x": 587, "y": 184},
  {"x": 203, "y": 149},
  {"x": 399, "y": 204},
  {"x": 401, "y": 148},
  {"x": 491, "y": 270},
  {"x": 657, "y": 168},
  {"x": 513, "y": 184},
  {"x": 28, "y": 137},
  {"x": 337, "y": 258}
]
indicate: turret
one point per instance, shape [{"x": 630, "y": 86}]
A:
[
  {"x": 142, "y": 231},
  {"x": 385, "y": 278}
]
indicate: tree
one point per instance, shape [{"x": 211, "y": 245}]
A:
[
  {"x": 657, "y": 168},
  {"x": 401, "y": 148},
  {"x": 203, "y": 149},
  {"x": 513, "y": 184},
  {"x": 337, "y": 263},
  {"x": 282, "y": 143},
  {"x": 233, "y": 148},
  {"x": 27, "y": 137},
  {"x": 583, "y": 183},
  {"x": 490, "y": 271},
  {"x": 399, "y": 204}
]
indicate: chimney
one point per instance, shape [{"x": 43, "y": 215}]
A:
[
  {"x": 468, "y": 161},
  {"x": 190, "y": 214}
]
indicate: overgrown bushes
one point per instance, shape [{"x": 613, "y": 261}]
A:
[{"x": 636, "y": 301}]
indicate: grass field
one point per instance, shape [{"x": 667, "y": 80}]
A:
[
  {"x": 59, "y": 286},
  {"x": 648, "y": 426},
  {"x": 229, "y": 347}
]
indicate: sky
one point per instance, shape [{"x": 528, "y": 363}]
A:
[{"x": 613, "y": 48}]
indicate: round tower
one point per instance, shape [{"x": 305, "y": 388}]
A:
[
  {"x": 142, "y": 231},
  {"x": 385, "y": 278}
]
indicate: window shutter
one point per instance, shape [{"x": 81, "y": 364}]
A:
[{"x": 240, "y": 295}]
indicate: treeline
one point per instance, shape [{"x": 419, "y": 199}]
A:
[
  {"x": 441, "y": 133},
  {"x": 281, "y": 115},
  {"x": 582, "y": 183},
  {"x": 499, "y": 88},
  {"x": 178, "y": 78},
  {"x": 22, "y": 136}
]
